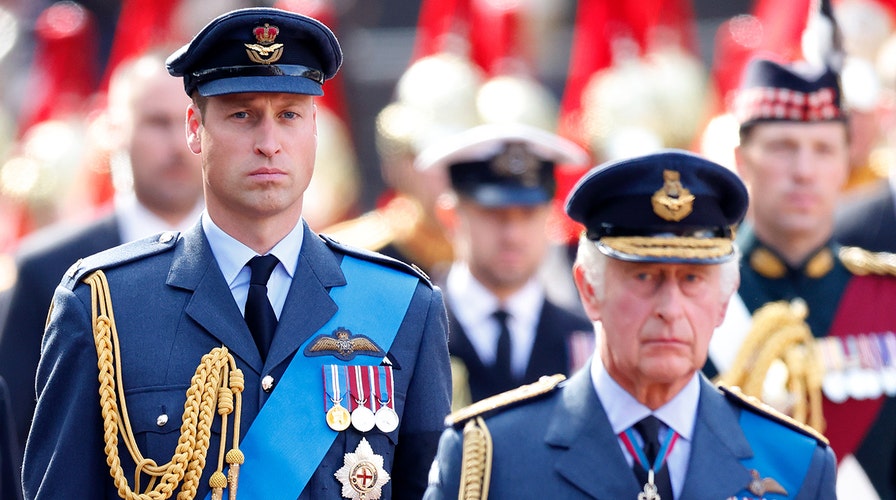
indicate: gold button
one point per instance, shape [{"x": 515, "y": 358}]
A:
[{"x": 267, "y": 383}]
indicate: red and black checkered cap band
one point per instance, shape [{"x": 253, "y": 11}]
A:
[{"x": 766, "y": 103}]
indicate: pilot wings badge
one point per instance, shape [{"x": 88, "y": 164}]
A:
[
  {"x": 343, "y": 345},
  {"x": 761, "y": 485}
]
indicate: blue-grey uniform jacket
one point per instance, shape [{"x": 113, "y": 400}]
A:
[
  {"x": 172, "y": 306},
  {"x": 561, "y": 446}
]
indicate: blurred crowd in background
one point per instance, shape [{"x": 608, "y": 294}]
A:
[{"x": 619, "y": 78}]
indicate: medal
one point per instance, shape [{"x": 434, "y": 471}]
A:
[
  {"x": 650, "y": 491},
  {"x": 871, "y": 366},
  {"x": 887, "y": 343},
  {"x": 386, "y": 418},
  {"x": 362, "y": 416},
  {"x": 362, "y": 474},
  {"x": 834, "y": 383},
  {"x": 855, "y": 376},
  {"x": 338, "y": 418}
]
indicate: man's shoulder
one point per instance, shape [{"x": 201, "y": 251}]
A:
[
  {"x": 63, "y": 240},
  {"x": 375, "y": 257},
  {"x": 769, "y": 414},
  {"x": 514, "y": 403},
  {"x": 120, "y": 255},
  {"x": 861, "y": 262}
]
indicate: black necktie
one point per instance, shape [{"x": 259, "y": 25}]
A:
[
  {"x": 649, "y": 429},
  {"x": 259, "y": 314},
  {"x": 502, "y": 355}
]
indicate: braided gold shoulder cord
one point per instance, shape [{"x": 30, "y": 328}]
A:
[
  {"x": 779, "y": 332},
  {"x": 476, "y": 467},
  {"x": 216, "y": 383}
]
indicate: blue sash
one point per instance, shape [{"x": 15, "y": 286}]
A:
[
  {"x": 778, "y": 452},
  {"x": 288, "y": 439}
]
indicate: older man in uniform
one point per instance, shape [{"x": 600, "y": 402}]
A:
[
  {"x": 312, "y": 369},
  {"x": 794, "y": 155},
  {"x": 656, "y": 266}
]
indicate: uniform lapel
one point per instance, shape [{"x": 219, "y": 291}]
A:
[
  {"x": 714, "y": 468},
  {"x": 308, "y": 304},
  {"x": 212, "y": 306},
  {"x": 593, "y": 460}
]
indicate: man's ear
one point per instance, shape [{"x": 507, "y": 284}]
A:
[
  {"x": 194, "y": 123},
  {"x": 589, "y": 299}
]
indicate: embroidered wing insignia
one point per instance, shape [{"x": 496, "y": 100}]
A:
[
  {"x": 343, "y": 345},
  {"x": 759, "y": 486}
]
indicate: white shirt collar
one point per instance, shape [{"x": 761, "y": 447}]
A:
[
  {"x": 473, "y": 306},
  {"x": 624, "y": 410},
  {"x": 135, "y": 221},
  {"x": 232, "y": 255}
]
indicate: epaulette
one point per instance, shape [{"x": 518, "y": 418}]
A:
[
  {"x": 753, "y": 404},
  {"x": 543, "y": 386},
  {"x": 119, "y": 255},
  {"x": 861, "y": 262},
  {"x": 363, "y": 253}
]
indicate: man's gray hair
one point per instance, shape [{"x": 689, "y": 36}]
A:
[{"x": 594, "y": 264}]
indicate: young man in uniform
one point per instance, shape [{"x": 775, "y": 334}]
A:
[
  {"x": 504, "y": 331},
  {"x": 312, "y": 369},
  {"x": 794, "y": 157}
]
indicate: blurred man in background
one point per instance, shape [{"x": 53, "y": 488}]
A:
[
  {"x": 158, "y": 187},
  {"x": 504, "y": 331}
]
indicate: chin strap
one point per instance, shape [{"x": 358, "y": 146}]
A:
[{"x": 216, "y": 384}]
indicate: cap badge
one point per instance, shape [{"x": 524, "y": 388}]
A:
[
  {"x": 673, "y": 201},
  {"x": 343, "y": 345},
  {"x": 265, "y": 51},
  {"x": 517, "y": 161},
  {"x": 362, "y": 474}
]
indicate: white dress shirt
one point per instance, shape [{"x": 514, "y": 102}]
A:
[
  {"x": 232, "y": 257},
  {"x": 624, "y": 411},
  {"x": 473, "y": 306}
]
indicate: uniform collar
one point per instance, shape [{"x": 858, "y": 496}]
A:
[
  {"x": 769, "y": 264},
  {"x": 624, "y": 411}
]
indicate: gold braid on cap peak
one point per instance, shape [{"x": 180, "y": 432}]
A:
[
  {"x": 779, "y": 335},
  {"x": 679, "y": 246},
  {"x": 217, "y": 383}
]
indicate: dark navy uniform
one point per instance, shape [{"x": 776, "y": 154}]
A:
[{"x": 153, "y": 331}]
